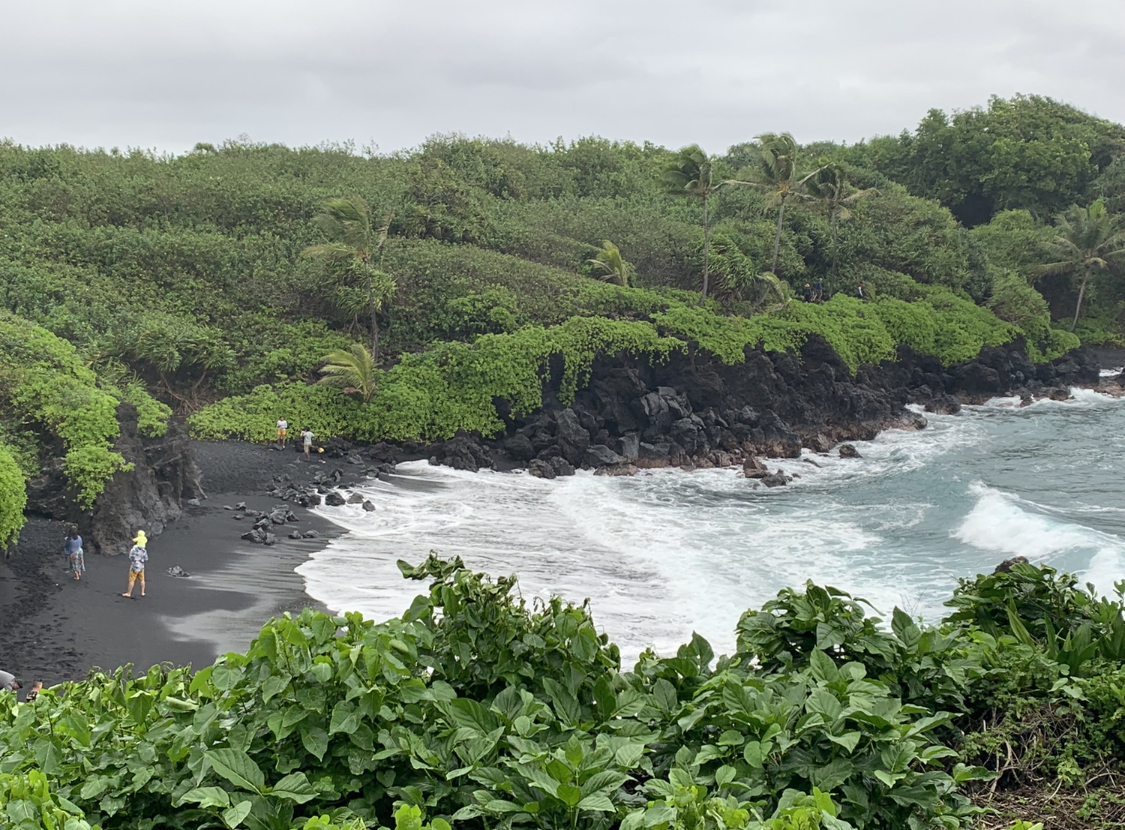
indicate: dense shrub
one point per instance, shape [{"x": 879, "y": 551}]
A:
[
  {"x": 13, "y": 498},
  {"x": 478, "y": 709}
]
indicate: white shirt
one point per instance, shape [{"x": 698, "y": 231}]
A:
[{"x": 283, "y": 424}]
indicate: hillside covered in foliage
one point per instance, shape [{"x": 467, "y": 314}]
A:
[{"x": 218, "y": 283}]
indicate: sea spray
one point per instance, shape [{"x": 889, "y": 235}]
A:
[{"x": 666, "y": 552}]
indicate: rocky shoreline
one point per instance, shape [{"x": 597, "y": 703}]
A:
[
  {"x": 695, "y": 412},
  {"x": 691, "y": 411}
]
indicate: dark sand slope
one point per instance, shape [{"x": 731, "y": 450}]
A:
[{"x": 54, "y": 629}]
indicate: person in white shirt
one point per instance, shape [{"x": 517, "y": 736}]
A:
[
  {"x": 8, "y": 682},
  {"x": 306, "y": 441},
  {"x": 282, "y": 431}
]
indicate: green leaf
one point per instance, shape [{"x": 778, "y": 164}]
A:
[
  {"x": 905, "y": 629},
  {"x": 604, "y": 697},
  {"x": 724, "y": 775},
  {"x": 665, "y": 695},
  {"x": 604, "y": 782},
  {"x": 598, "y": 803},
  {"x": 345, "y": 718},
  {"x": 569, "y": 795},
  {"x": 848, "y": 740},
  {"x": 469, "y": 714},
  {"x": 294, "y": 787},
  {"x": 237, "y": 767},
  {"x": 48, "y": 756},
  {"x": 206, "y": 797},
  {"x": 822, "y": 702},
  {"x": 731, "y": 738},
  {"x": 629, "y": 755},
  {"x": 234, "y": 816},
  {"x": 315, "y": 741},
  {"x": 823, "y": 667},
  {"x": 94, "y": 787}
]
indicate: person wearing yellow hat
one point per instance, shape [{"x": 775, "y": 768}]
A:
[{"x": 138, "y": 555}]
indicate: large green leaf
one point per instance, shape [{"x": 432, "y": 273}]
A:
[{"x": 236, "y": 767}]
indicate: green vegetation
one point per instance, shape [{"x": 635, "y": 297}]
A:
[
  {"x": 476, "y": 710},
  {"x": 50, "y": 399},
  {"x": 218, "y": 281},
  {"x": 13, "y": 498}
]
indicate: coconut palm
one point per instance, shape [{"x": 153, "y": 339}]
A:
[
  {"x": 1086, "y": 240},
  {"x": 830, "y": 187},
  {"x": 347, "y": 224},
  {"x": 690, "y": 174},
  {"x": 351, "y": 369},
  {"x": 775, "y": 171},
  {"x": 610, "y": 266}
]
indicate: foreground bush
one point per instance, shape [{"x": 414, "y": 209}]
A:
[{"x": 477, "y": 711}]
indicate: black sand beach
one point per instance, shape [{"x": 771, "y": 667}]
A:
[{"x": 54, "y": 629}]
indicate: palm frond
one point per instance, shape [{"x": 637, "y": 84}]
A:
[{"x": 351, "y": 369}]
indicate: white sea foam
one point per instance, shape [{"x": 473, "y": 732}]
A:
[
  {"x": 663, "y": 553},
  {"x": 1014, "y": 526}
]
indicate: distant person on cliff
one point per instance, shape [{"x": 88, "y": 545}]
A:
[
  {"x": 138, "y": 555},
  {"x": 307, "y": 437},
  {"x": 8, "y": 682},
  {"x": 282, "y": 431},
  {"x": 859, "y": 291},
  {"x": 72, "y": 547},
  {"x": 807, "y": 293},
  {"x": 818, "y": 292}
]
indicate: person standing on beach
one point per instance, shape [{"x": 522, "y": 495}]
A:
[
  {"x": 306, "y": 441},
  {"x": 282, "y": 431},
  {"x": 72, "y": 547},
  {"x": 8, "y": 682},
  {"x": 138, "y": 555}
]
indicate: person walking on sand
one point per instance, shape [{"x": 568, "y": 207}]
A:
[
  {"x": 282, "y": 431},
  {"x": 306, "y": 441},
  {"x": 138, "y": 555},
  {"x": 72, "y": 547}
]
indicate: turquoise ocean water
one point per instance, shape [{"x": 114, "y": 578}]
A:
[{"x": 667, "y": 552}]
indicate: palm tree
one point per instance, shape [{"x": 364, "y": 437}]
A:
[
  {"x": 610, "y": 266},
  {"x": 689, "y": 174},
  {"x": 775, "y": 171},
  {"x": 351, "y": 369},
  {"x": 831, "y": 189},
  {"x": 1085, "y": 239},
  {"x": 347, "y": 224}
]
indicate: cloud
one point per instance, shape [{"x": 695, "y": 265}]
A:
[{"x": 717, "y": 72}]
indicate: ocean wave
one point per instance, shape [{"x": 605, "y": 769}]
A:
[
  {"x": 665, "y": 552},
  {"x": 1012, "y": 525}
]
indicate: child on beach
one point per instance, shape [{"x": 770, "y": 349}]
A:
[
  {"x": 138, "y": 555},
  {"x": 72, "y": 547}
]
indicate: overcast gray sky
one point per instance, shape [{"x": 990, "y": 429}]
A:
[{"x": 165, "y": 74}]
